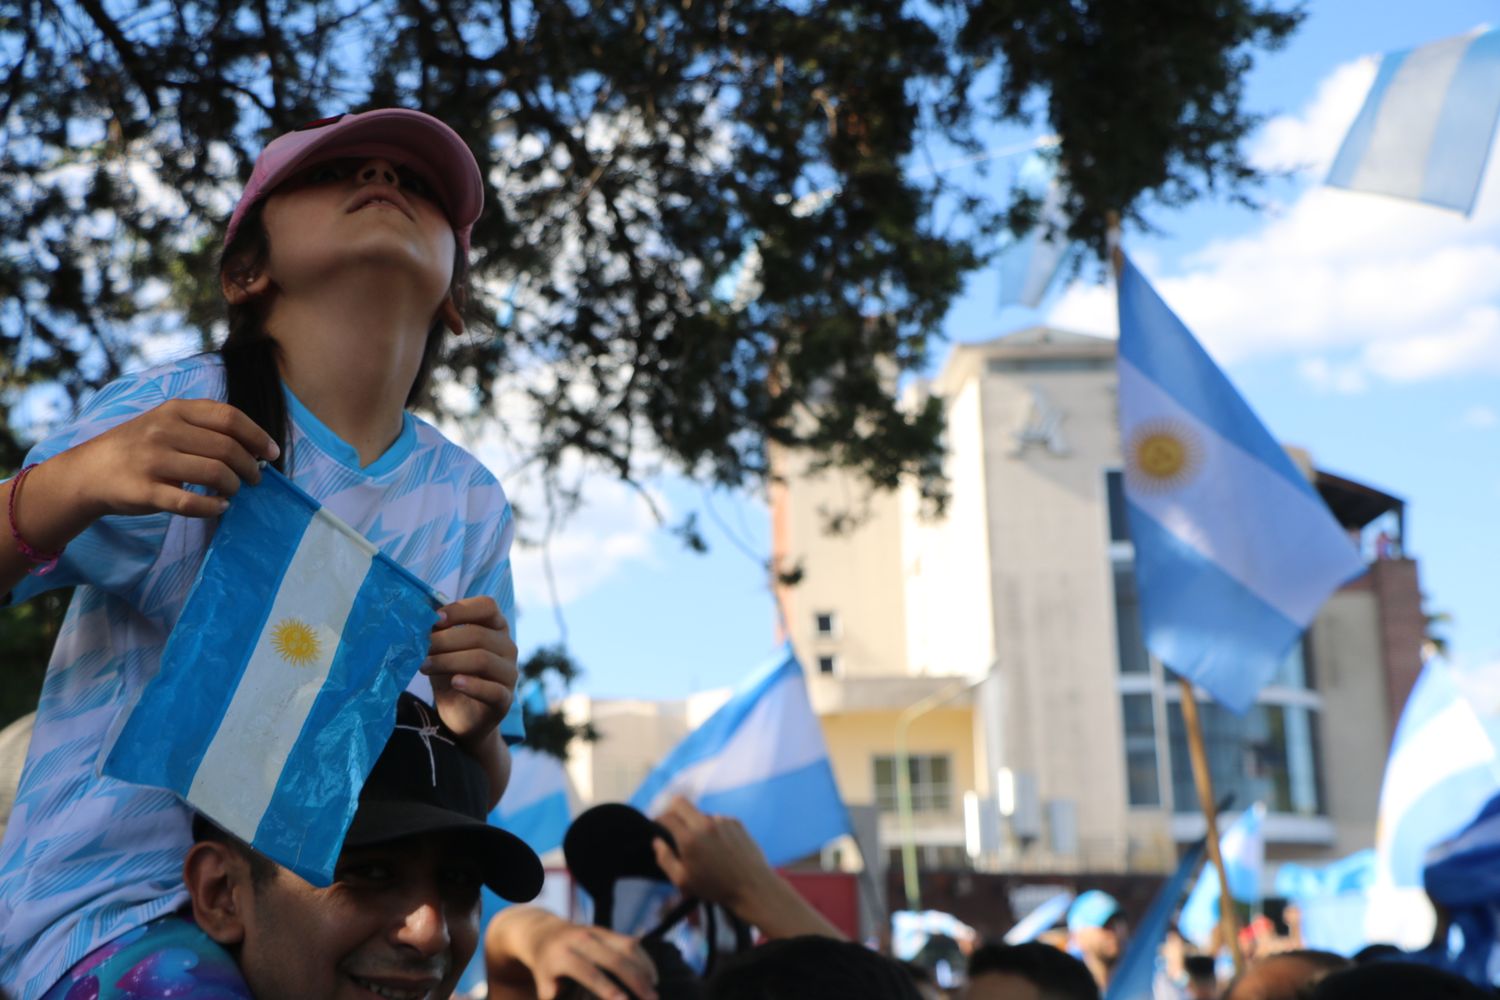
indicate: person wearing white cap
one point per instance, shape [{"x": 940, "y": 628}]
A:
[
  {"x": 1097, "y": 927},
  {"x": 344, "y": 261}
]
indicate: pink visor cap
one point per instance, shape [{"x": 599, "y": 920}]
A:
[{"x": 407, "y": 138}]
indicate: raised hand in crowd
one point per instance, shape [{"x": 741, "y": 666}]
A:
[
  {"x": 529, "y": 952},
  {"x": 717, "y": 861}
]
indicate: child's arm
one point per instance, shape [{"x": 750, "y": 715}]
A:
[
  {"x": 472, "y": 663},
  {"x": 137, "y": 467}
]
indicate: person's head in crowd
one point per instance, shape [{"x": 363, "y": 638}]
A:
[
  {"x": 401, "y": 918},
  {"x": 811, "y": 968},
  {"x": 1379, "y": 952},
  {"x": 1097, "y": 927},
  {"x": 1032, "y": 971},
  {"x": 927, "y": 986},
  {"x": 1284, "y": 976},
  {"x": 1397, "y": 981},
  {"x": 1202, "y": 977}
]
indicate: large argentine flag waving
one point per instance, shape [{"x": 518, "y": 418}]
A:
[
  {"x": 278, "y": 685},
  {"x": 1234, "y": 550},
  {"x": 761, "y": 758}
]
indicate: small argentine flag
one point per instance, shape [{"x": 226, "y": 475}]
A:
[
  {"x": 278, "y": 685},
  {"x": 1235, "y": 552},
  {"x": 1426, "y": 127},
  {"x": 761, "y": 759}
]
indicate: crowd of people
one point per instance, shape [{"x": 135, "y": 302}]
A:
[{"x": 343, "y": 264}]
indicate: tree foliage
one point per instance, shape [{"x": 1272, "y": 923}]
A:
[
  {"x": 1143, "y": 95},
  {"x": 704, "y": 236}
]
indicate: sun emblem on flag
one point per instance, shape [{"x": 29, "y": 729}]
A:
[
  {"x": 1162, "y": 455},
  {"x": 296, "y": 642}
]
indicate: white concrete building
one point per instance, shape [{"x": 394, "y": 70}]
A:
[{"x": 1028, "y": 582}]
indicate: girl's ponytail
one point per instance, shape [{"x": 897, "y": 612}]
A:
[{"x": 252, "y": 359}]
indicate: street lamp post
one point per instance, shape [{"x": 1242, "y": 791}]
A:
[{"x": 903, "y": 780}]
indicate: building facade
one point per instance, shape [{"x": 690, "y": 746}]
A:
[{"x": 1000, "y": 645}]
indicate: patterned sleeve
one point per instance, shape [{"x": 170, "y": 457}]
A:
[
  {"x": 114, "y": 552},
  {"x": 492, "y": 534}
]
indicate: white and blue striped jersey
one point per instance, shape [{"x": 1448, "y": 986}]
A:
[{"x": 87, "y": 858}]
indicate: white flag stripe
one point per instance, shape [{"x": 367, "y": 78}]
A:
[
  {"x": 242, "y": 765},
  {"x": 750, "y": 755},
  {"x": 1452, "y": 741},
  {"x": 534, "y": 776},
  {"x": 1396, "y": 158},
  {"x": 1234, "y": 510}
]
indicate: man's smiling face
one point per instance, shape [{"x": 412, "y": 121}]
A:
[{"x": 399, "y": 922}]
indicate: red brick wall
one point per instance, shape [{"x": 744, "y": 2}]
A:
[{"x": 1403, "y": 627}]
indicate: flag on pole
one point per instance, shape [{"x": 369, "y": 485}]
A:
[
  {"x": 760, "y": 758},
  {"x": 1442, "y": 769},
  {"x": 1426, "y": 127},
  {"x": 1243, "y": 848},
  {"x": 1030, "y": 264},
  {"x": 538, "y": 803},
  {"x": 277, "y": 688},
  {"x": 1134, "y": 976},
  {"x": 1235, "y": 552}
]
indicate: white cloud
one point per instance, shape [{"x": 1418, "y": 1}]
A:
[
  {"x": 1331, "y": 376},
  {"x": 1355, "y": 288},
  {"x": 1480, "y": 418},
  {"x": 612, "y": 527},
  {"x": 1310, "y": 140}
]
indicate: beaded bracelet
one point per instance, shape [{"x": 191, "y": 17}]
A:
[{"x": 46, "y": 561}]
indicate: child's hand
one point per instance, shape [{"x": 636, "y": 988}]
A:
[
  {"x": 141, "y": 466},
  {"x": 472, "y": 663}
]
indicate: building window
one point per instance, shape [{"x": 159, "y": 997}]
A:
[
  {"x": 826, "y": 624},
  {"x": 1269, "y": 755},
  {"x": 1114, "y": 491},
  {"x": 931, "y": 782},
  {"x": 827, "y": 664},
  {"x": 1129, "y": 640},
  {"x": 1143, "y": 783}
]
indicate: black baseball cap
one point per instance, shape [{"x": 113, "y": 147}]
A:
[{"x": 425, "y": 783}]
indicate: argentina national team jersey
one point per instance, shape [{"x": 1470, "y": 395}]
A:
[{"x": 86, "y": 858}]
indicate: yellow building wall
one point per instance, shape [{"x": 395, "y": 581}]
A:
[{"x": 855, "y": 738}]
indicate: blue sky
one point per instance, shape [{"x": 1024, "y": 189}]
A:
[{"x": 1364, "y": 329}]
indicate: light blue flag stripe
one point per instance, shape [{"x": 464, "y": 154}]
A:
[
  {"x": 790, "y": 815},
  {"x": 350, "y": 721},
  {"x": 1160, "y": 347},
  {"x": 191, "y": 702},
  {"x": 1203, "y": 604},
  {"x": 1135, "y": 974}
]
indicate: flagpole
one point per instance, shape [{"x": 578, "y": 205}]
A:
[
  {"x": 1203, "y": 781},
  {"x": 1202, "y": 778}
]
